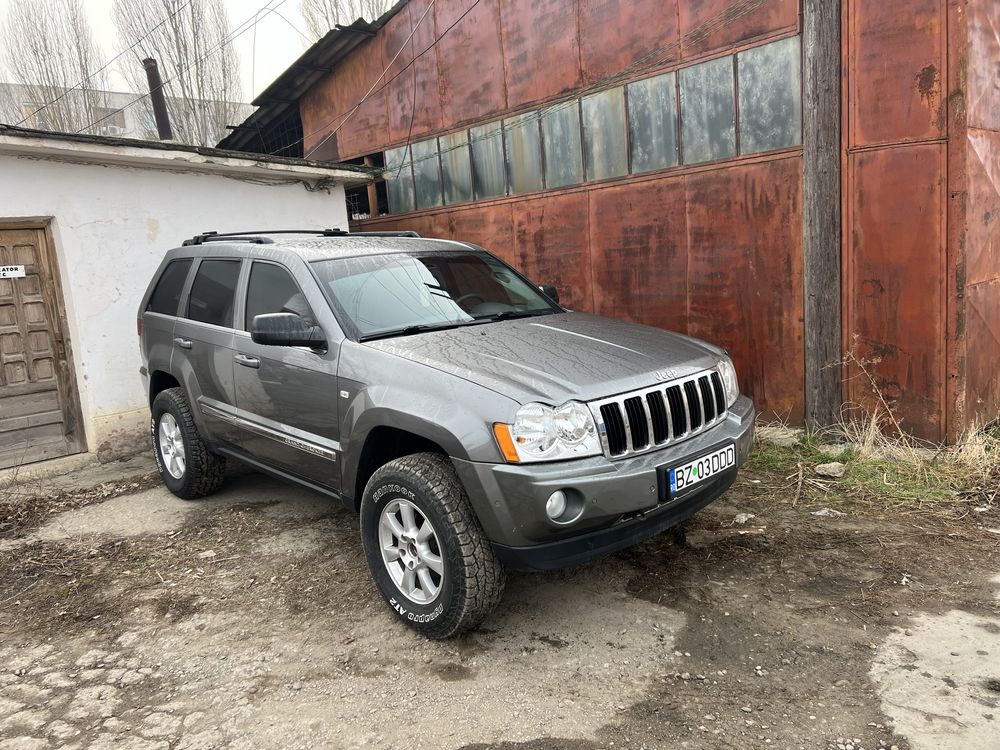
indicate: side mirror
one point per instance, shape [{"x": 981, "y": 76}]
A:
[
  {"x": 550, "y": 291},
  {"x": 286, "y": 329}
]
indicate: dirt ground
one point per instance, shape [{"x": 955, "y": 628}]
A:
[{"x": 131, "y": 619}]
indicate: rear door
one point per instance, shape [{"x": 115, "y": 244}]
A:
[
  {"x": 203, "y": 346},
  {"x": 288, "y": 395}
]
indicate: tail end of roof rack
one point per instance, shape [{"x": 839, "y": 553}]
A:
[{"x": 261, "y": 237}]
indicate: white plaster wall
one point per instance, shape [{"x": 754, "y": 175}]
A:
[{"x": 111, "y": 227}]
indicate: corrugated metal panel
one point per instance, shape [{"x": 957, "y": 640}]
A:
[
  {"x": 541, "y": 49},
  {"x": 744, "y": 272},
  {"x": 551, "y": 246},
  {"x": 472, "y": 76},
  {"x": 614, "y": 34},
  {"x": 413, "y": 98},
  {"x": 740, "y": 20},
  {"x": 896, "y": 71},
  {"x": 896, "y": 273}
]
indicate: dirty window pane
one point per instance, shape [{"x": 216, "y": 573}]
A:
[
  {"x": 770, "y": 96},
  {"x": 652, "y": 122},
  {"x": 604, "y": 134},
  {"x": 487, "y": 161},
  {"x": 399, "y": 179},
  {"x": 213, "y": 292},
  {"x": 707, "y": 128},
  {"x": 561, "y": 133},
  {"x": 456, "y": 169},
  {"x": 522, "y": 146},
  {"x": 427, "y": 173}
]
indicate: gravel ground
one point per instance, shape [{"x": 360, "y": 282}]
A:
[{"x": 131, "y": 619}]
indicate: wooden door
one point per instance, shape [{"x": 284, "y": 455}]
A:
[{"x": 39, "y": 412}]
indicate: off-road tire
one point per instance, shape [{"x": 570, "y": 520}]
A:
[
  {"x": 204, "y": 470},
  {"x": 473, "y": 576}
]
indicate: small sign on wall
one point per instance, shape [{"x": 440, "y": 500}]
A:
[{"x": 11, "y": 272}]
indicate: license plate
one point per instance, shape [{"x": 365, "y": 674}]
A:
[{"x": 702, "y": 469}]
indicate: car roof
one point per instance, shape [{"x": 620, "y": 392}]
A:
[{"x": 313, "y": 248}]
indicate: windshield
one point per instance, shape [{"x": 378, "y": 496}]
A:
[{"x": 404, "y": 293}]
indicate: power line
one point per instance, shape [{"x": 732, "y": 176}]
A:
[
  {"x": 231, "y": 37},
  {"x": 382, "y": 75},
  {"x": 106, "y": 65}
]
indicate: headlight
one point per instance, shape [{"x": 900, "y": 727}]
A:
[
  {"x": 729, "y": 383},
  {"x": 543, "y": 433}
]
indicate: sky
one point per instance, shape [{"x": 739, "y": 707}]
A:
[{"x": 278, "y": 44}]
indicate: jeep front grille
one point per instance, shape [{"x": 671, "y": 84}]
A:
[{"x": 655, "y": 417}]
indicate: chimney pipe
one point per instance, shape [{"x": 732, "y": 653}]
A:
[{"x": 159, "y": 101}]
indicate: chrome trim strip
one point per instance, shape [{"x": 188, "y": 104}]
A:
[
  {"x": 277, "y": 435},
  {"x": 619, "y": 403}
]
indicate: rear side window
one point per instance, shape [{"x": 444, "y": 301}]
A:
[
  {"x": 214, "y": 292},
  {"x": 167, "y": 293},
  {"x": 273, "y": 290}
]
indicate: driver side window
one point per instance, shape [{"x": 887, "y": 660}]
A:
[{"x": 273, "y": 290}]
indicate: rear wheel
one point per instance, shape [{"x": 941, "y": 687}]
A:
[
  {"x": 426, "y": 550},
  {"x": 188, "y": 468}
]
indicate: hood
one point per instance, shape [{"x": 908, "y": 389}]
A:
[{"x": 555, "y": 358}]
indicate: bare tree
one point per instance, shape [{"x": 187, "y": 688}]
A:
[
  {"x": 48, "y": 47},
  {"x": 200, "y": 69},
  {"x": 323, "y": 15}
]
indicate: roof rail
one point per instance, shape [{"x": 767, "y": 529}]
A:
[{"x": 260, "y": 237}]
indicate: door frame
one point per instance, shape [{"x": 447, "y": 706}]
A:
[{"x": 76, "y": 435}]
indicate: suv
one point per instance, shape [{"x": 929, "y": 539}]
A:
[{"x": 474, "y": 423}]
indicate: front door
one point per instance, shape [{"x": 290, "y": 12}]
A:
[
  {"x": 287, "y": 395},
  {"x": 39, "y": 410}
]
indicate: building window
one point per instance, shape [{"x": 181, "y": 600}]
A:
[
  {"x": 522, "y": 147},
  {"x": 652, "y": 123},
  {"x": 427, "y": 174},
  {"x": 708, "y": 129},
  {"x": 770, "y": 96},
  {"x": 399, "y": 179},
  {"x": 604, "y": 134},
  {"x": 456, "y": 168},
  {"x": 488, "y": 178},
  {"x": 561, "y": 138}
]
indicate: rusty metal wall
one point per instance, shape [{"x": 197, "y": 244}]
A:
[
  {"x": 507, "y": 54},
  {"x": 982, "y": 235},
  {"x": 896, "y": 210}
]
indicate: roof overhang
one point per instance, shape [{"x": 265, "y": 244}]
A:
[{"x": 174, "y": 157}]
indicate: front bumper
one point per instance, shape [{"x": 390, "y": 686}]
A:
[{"x": 621, "y": 498}]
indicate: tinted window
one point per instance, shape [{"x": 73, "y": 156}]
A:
[
  {"x": 456, "y": 169},
  {"x": 273, "y": 290},
  {"x": 652, "y": 123},
  {"x": 167, "y": 293},
  {"x": 770, "y": 96},
  {"x": 524, "y": 153},
  {"x": 399, "y": 179},
  {"x": 708, "y": 129},
  {"x": 487, "y": 161},
  {"x": 427, "y": 173},
  {"x": 561, "y": 133},
  {"x": 213, "y": 292},
  {"x": 604, "y": 134}
]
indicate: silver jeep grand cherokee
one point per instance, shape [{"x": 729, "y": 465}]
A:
[{"x": 474, "y": 423}]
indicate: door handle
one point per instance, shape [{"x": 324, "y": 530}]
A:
[
  {"x": 243, "y": 359},
  {"x": 183, "y": 343}
]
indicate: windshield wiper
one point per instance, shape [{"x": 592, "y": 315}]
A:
[
  {"x": 410, "y": 330},
  {"x": 513, "y": 314}
]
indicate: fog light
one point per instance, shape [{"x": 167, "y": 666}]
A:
[{"x": 555, "y": 506}]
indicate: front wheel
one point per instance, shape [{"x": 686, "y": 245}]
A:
[{"x": 426, "y": 550}]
